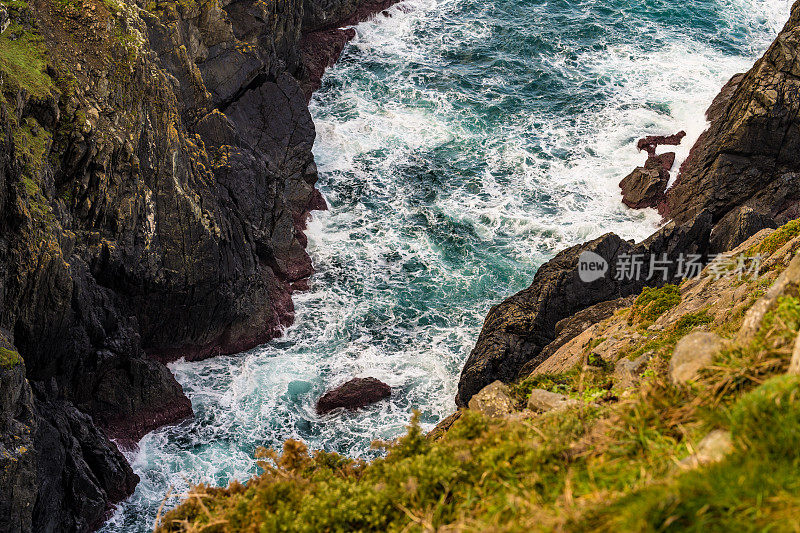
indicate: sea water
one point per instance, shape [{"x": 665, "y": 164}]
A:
[{"x": 460, "y": 143}]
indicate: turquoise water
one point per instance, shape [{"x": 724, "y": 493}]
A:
[{"x": 460, "y": 145}]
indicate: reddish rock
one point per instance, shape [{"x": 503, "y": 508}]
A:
[
  {"x": 357, "y": 392},
  {"x": 651, "y": 142}
]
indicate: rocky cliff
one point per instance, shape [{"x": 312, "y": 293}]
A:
[
  {"x": 742, "y": 175},
  {"x": 155, "y": 179}
]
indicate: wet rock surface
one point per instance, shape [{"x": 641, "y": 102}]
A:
[{"x": 356, "y": 393}]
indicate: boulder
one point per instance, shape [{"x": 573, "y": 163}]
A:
[
  {"x": 494, "y": 400},
  {"x": 543, "y": 401},
  {"x": 736, "y": 227},
  {"x": 693, "y": 353},
  {"x": 644, "y": 187},
  {"x": 712, "y": 449},
  {"x": 356, "y": 393}
]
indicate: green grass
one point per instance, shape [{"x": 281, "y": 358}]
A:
[
  {"x": 23, "y": 57},
  {"x": 757, "y": 488},
  {"x": 654, "y": 302},
  {"x": 777, "y": 239},
  {"x": 9, "y": 358}
]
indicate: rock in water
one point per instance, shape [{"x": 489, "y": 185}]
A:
[
  {"x": 357, "y": 392},
  {"x": 651, "y": 142},
  {"x": 645, "y": 186}
]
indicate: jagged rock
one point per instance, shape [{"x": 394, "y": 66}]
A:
[
  {"x": 494, "y": 400},
  {"x": 543, "y": 401},
  {"x": 750, "y": 154},
  {"x": 80, "y": 472},
  {"x": 693, "y": 353},
  {"x": 712, "y": 449},
  {"x": 516, "y": 330},
  {"x": 651, "y": 142},
  {"x": 573, "y": 326},
  {"x": 627, "y": 371},
  {"x": 17, "y": 455},
  {"x": 736, "y": 227},
  {"x": 356, "y": 393}
]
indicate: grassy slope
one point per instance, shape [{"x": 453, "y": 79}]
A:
[{"x": 611, "y": 464}]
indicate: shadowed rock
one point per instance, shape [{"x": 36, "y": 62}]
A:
[
  {"x": 356, "y": 393},
  {"x": 736, "y": 227}
]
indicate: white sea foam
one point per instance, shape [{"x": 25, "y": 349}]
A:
[{"x": 447, "y": 190}]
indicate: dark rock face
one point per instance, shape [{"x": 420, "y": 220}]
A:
[
  {"x": 17, "y": 458},
  {"x": 358, "y": 392},
  {"x": 154, "y": 188},
  {"x": 572, "y": 326},
  {"x": 736, "y": 227},
  {"x": 750, "y": 155},
  {"x": 518, "y": 329}
]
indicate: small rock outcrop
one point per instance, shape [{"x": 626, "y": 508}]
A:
[
  {"x": 543, "y": 401},
  {"x": 645, "y": 186},
  {"x": 494, "y": 400},
  {"x": 693, "y": 353},
  {"x": 356, "y": 393},
  {"x": 736, "y": 227}
]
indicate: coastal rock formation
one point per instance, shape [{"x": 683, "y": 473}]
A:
[
  {"x": 746, "y": 164},
  {"x": 645, "y": 186},
  {"x": 750, "y": 154},
  {"x": 736, "y": 227},
  {"x": 517, "y": 330},
  {"x": 156, "y": 175},
  {"x": 356, "y": 393}
]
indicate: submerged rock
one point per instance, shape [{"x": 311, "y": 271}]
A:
[{"x": 358, "y": 392}]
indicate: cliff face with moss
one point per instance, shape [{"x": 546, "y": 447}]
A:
[
  {"x": 666, "y": 400},
  {"x": 155, "y": 179}
]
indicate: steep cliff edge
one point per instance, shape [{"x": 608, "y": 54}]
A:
[
  {"x": 740, "y": 177},
  {"x": 155, "y": 179},
  {"x": 750, "y": 154}
]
